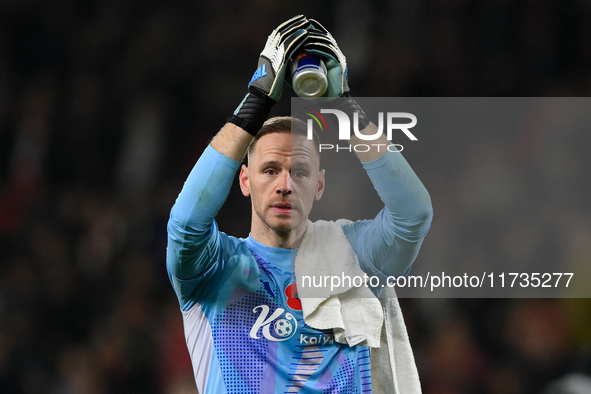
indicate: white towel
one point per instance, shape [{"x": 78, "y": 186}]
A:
[{"x": 356, "y": 316}]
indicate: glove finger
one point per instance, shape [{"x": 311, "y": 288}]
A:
[
  {"x": 324, "y": 51},
  {"x": 318, "y": 36},
  {"x": 320, "y": 39},
  {"x": 315, "y": 38},
  {"x": 316, "y": 25},
  {"x": 317, "y": 32},
  {"x": 293, "y": 42},
  {"x": 290, "y": 34},
  {"x": 294, "y": 20},
  {"x": 275, "y": 50},
  {"x": 300, "y": 22},
  {"x": 321, "y": 43}
]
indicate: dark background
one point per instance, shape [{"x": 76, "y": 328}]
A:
[{"x": 106, "y": 105}]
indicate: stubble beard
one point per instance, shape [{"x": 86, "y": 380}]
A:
[{"x": 282, "y": 229}]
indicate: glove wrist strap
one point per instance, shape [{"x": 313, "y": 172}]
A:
[
  {"x": 252, "y": 111},
  {"x": 348, "y": 105}
]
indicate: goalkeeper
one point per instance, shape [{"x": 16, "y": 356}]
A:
[{"x": 244, "y": 324}]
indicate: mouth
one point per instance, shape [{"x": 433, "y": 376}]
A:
[{"x": 282, "y": 208}]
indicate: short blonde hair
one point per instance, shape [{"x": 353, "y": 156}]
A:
[{"x": 284, "y": 124}]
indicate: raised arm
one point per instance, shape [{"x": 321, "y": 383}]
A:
[
  {"x": 391, "y": 241},
  {"x": 265, "y": 89},
  {"x": 196, "y": 249},
  {"x": 388, "y": 244}
]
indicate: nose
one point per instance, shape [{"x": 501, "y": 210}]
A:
[{"x": 284, "y": 183}]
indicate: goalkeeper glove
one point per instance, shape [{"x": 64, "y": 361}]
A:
[
  {"x": 266, "y": 84},
  {"x": 322, "y": 44}
]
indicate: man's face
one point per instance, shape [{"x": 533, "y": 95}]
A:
[{"x": 283, "y": 179}]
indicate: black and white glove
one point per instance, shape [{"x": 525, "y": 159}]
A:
[
  {"x": 322, "y": 44},
  {"x": 266, "y": 84}
]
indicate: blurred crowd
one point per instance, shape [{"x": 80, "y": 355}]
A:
[{"x": 105, "y": 106}]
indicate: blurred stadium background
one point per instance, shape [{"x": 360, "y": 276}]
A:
[{"x": 105, "y": 106}]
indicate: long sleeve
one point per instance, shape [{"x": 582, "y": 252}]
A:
[
  {"x": 388, "y": 244},
  {"x": 195, "y": 246}
]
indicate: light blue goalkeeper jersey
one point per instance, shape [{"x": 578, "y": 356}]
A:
[{"x": 243, "y": 324}]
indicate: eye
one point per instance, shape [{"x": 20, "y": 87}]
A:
[
  {"x": 270, "y": 171},
  {"x": 299, "y": 174}
]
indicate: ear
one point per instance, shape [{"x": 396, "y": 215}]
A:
[
  {"x": 320, "y": 188},
  {"x": 244, "y": 181}
]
